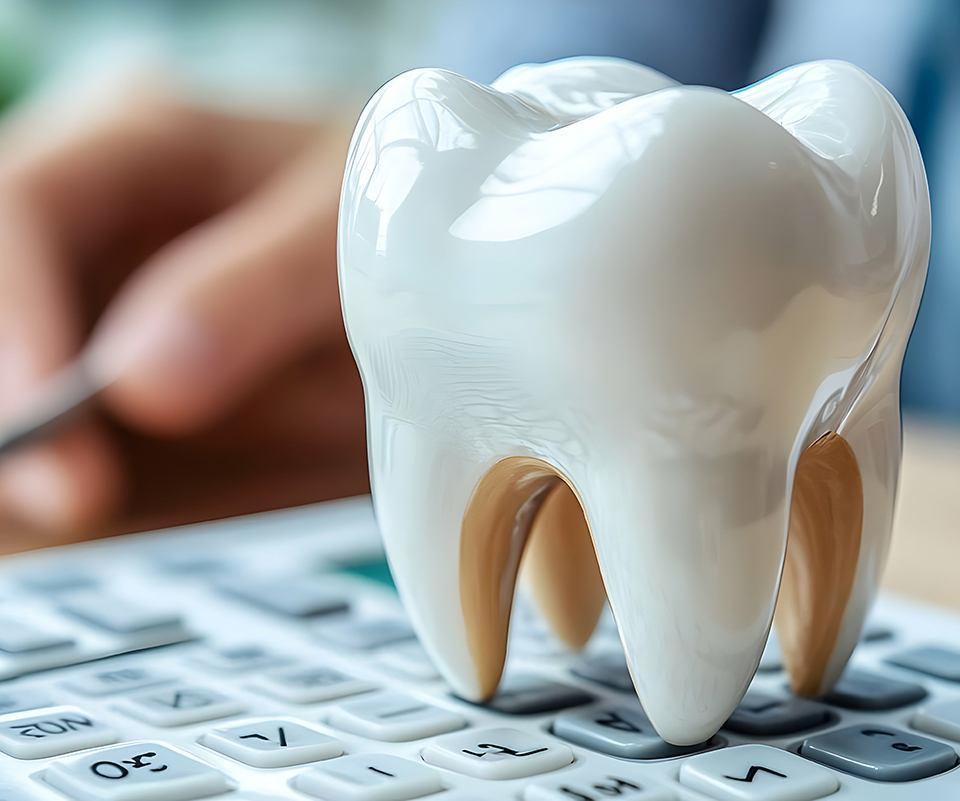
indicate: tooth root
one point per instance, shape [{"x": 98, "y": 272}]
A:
[
  {"x": 421, "y": 489},
  {"x": 840, "y": 526},
  {"x": 690, "y": 547},
  {"x": 495, "y": 528},
  {"x": 560, "y": 568}
]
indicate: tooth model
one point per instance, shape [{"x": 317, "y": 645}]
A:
[{"x": 657, "y": 329}]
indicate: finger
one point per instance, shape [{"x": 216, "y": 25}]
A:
[
  {"x": 224, "y": 306},
  {"x": 74, "y": 481},
  {"x": 64, "y": 486}
]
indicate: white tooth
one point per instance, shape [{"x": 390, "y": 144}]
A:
[{"x": 688, "y": 307}]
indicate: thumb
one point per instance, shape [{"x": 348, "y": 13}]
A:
[{"x": 219, "y": 309}]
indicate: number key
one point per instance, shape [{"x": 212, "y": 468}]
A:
[
  {"x": 497, "y": 754},
  {"x": 52, "y": 732},
  {"x": 369, "y": 777},
  {"x": 879, "y": 752},
  {"x": 134, "y": 772},
  {"x": 756, "y": 773}
]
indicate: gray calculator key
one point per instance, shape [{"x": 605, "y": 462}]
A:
[
  {"x": 117, "y": 615},
  {"x": 369, "y": 777},
  {"x": 608, "y": 668},
  {"x": 20, "y": 699},
  {"x": 180, "y": 705},
  {"x": 365, "y": 634},
  {"x": 135, "y": 772},
  {"x": 763, "y": 715},
  {"x": 310, "y": 685},
  {"x": 531, "y": 695},
  {"x": 293, "y": 596},
  {"x": 242, "y": 658},
  {"x": 879, "y": 752},
  {"x": 941, "y": 663},
  {"x": 620, "y": 731},
  {"x": 51, "y": 732},
  {"x": 858, "y": 689},
  {"x": 111, "y": 681},
  {"x": 942, "y": 720},
  {"x": 22, "y": 638}
]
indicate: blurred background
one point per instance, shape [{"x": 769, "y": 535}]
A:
[{"x": 316, "y": 57}]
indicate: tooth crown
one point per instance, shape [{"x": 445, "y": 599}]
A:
[{"x": 587, "y": 302}]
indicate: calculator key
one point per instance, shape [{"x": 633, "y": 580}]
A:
[
  {"x": 595, "y": 784},
  {"x": 876, "y": 632},
  {"x": 52, "y": 732},
  {"x": 101, "y": 683},
  {"x": 292, "y": 596},
  {"x": 941, "y": 663},
  {"x": 180, "y": 705},
  {"x": 191, "y": 564},
  {"x": 942, "y": 720},
  {"x": 243, "y": 658},
  {"x": 52, "y": 581},
  {"x": 24, "y": 638},
  {"x": 369, "y": 777},
  {"x": 21, "y": 699},
  {"x": 394, "y": 717},
  {"x": 608, "y": 668},
  {"x": 273, "y": 743},
  {"x": 311, "y": 685},
  {"x": 530, "y": 695},
  {"x": 117, "y": 615},
  {"x": 762, "y": 715},
  {"x": 858, "y": 689},
  {"x": 136, "y": 772},
  {"x": 879, "y": 752},
  {"x": 756, "y": 773},
  {"x": 364, "y": 634},
  {"x": 620, "y": 730},
  {"x": 497, "y": 753},
  {"x": 409, "y": 661}
]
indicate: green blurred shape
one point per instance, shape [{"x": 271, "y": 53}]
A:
[{"x": 375, "y": 569}]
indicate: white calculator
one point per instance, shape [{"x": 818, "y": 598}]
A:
[{"x": 268, "y": 658}]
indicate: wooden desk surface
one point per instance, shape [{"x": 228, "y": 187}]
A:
[{"x": 925, "y": 556}]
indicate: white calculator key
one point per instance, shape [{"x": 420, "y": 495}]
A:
[
  {"x": 409, "y": 661},
  {"x": 497, "y": 753},
  {"x": 52, "y": 732},
  {"x": 593, "y": 784},
  {"x": 369, "y": 777},
  {"x": 394, "y": 717},
  {"x": 117, "y": 680},
  {"x": 310, "y": 685},
  {"x": 273, "y": 743},
  {"x": 941, "y": 720},
  {"x": 20, "y": 699},
  {"x": 142, "y": 771},
  {"x": 756, "y": 773},
  {"x": 17, "y": 637},
  {"x": 180, "y": 705}
]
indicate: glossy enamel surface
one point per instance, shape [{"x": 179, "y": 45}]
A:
[{"x": 664, "y": 294}]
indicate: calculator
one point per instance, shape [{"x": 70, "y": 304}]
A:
[{"x": 269, "y": 658}]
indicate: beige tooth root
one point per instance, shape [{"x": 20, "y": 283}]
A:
[
  {"x": 823, "y": 546},
  {"x": 560, "y": 567}
]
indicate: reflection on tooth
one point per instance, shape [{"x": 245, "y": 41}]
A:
[
  {"x": 560, "y": 566},
  {"x": 593, "y": 307}
]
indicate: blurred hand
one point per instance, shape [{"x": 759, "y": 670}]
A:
[{"x": 195, "y": 252}]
